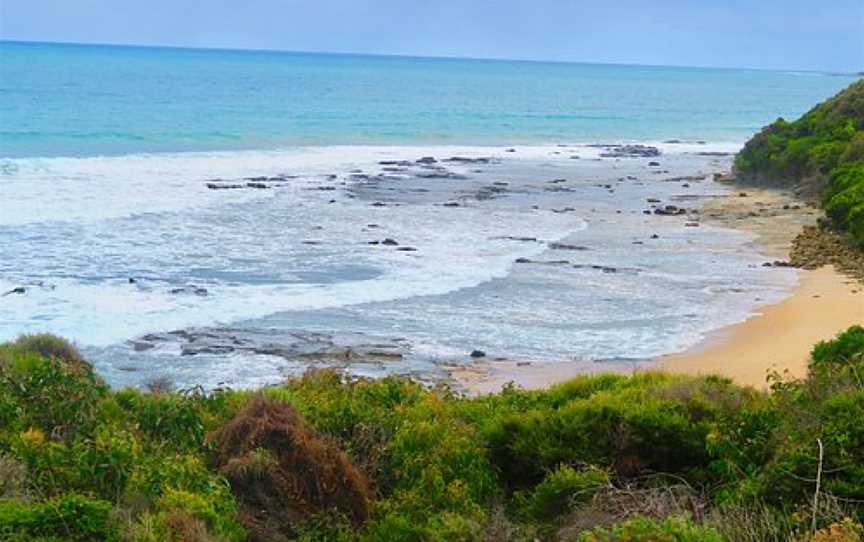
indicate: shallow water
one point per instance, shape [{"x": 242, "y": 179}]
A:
[{"x": 295, "y": 258}]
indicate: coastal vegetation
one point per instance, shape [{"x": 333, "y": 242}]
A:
[
  {"x": 821, "y": 154},
  {"x": 653, "y": 457}
]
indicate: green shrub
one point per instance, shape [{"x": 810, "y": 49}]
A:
[
  {"x": 58, "y": 394},
  {"x": 654, "y": 423},
  {"x": 166, "y": 419},
  {"x": 70, "y": 517},
  {"x": 846, "y": 349},
  {"x": 49, "y": 346},
  {"x": 560, "y": 490},
  {"x": 641, "y": 529}
]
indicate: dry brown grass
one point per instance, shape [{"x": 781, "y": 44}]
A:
[
  {"x": 282, "y": 472},
  {"x": 616, "y": 504}
]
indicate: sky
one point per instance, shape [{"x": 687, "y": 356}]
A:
[{"x": 821, "y": 35}]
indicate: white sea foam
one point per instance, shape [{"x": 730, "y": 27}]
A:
[{"x": 74, "y": 230}]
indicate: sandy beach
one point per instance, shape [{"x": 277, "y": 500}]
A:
[{"x": 777, "y": 337}]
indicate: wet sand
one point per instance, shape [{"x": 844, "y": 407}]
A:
[
  {"x": 777, "y": 337},
  {"x": 781, "y": 337}
]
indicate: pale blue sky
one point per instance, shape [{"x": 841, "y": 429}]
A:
[{"x": 825, "y": 35}]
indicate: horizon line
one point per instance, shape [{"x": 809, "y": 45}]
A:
[{"x": 209, "y": 48}]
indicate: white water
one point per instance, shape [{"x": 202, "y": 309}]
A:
[{"x": 74, "y": 230}]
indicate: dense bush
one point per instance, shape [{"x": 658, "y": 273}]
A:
[
  {"x": 645, "y": 529},
  {"x": 68, "y": 517},
  {"x": 823, "y": 150},
  {"x": 605, "y": 457}
]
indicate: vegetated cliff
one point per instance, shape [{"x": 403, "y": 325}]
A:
[{"x": 820, "y": 155}]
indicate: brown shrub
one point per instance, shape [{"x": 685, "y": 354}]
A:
[
  {"x": 183, "y": 527},
  {"x": 282, "y": 472}
]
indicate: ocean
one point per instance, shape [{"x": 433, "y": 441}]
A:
[{"x": 229, "y": 218}]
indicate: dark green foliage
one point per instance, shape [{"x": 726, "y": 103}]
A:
[
  {"x": 559, "y": 491},
  {"x": 847, "y": 349},
  {"x": 823, "y": 150},
  {"x": 56, "y": 392},
  {"x": 648, "y": 423},
  {"x": 68, "y": 517},
  {"x": 641, "y": 529}
]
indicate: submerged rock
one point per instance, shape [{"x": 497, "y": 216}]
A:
[
  {"x": 20, "y": 290},
  {"x": 189, "y": 289}
]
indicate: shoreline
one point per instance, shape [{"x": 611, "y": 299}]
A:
[
  {"x": 775, "y": 337},
  {"x": 780, "y": 336}
]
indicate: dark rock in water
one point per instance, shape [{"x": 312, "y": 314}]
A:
[
  {"x": 214, "y": 186},
  {"x": 565, "y": 246},
  {"x": 427, "y": 160},
  {"x": 670, "y": 210},
  {"x": 512, "y": 238},
  {"x": 628, "y": 151},
  {"x": 545, "y": 262},
  {"x": 141, "y": 346},
  {"x": 777, "y": 263},
  {"x": 20, "y": 290},
  {"x": 655, "y": 236},
  {"x": 372, "y": 226},
  {"x": 403, "y": 163},
  {"x": 407, "y": 249},
  {"x": 374, "y": 242},
  {"x": 390, "y": 242},
  {"x": 672, "y": 141},
  {"x": 257, "y": 185},
  {"x": 556, "y": 181},
  {"x": 646, "y": 212},
  {"x": 132, "y": 281},
  {"x": 478, "y": 354},
  {"x": 451, "y": 204},
  {"x": 654, "y": 164},
  {"x": 441, "y": 175},
  {"x": 509, "y": 150},
  {"x": 465, "y": 160},
  {"x": 190, "y": 289},
  {"x": 379, "y": 204},
  {"x": 194, "y": 349},
  {"x": 653, "y": 200}
]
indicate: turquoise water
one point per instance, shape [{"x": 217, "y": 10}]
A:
[
  {"x": 77, "y": 100},
  {"x": 112, "y": 234}
]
